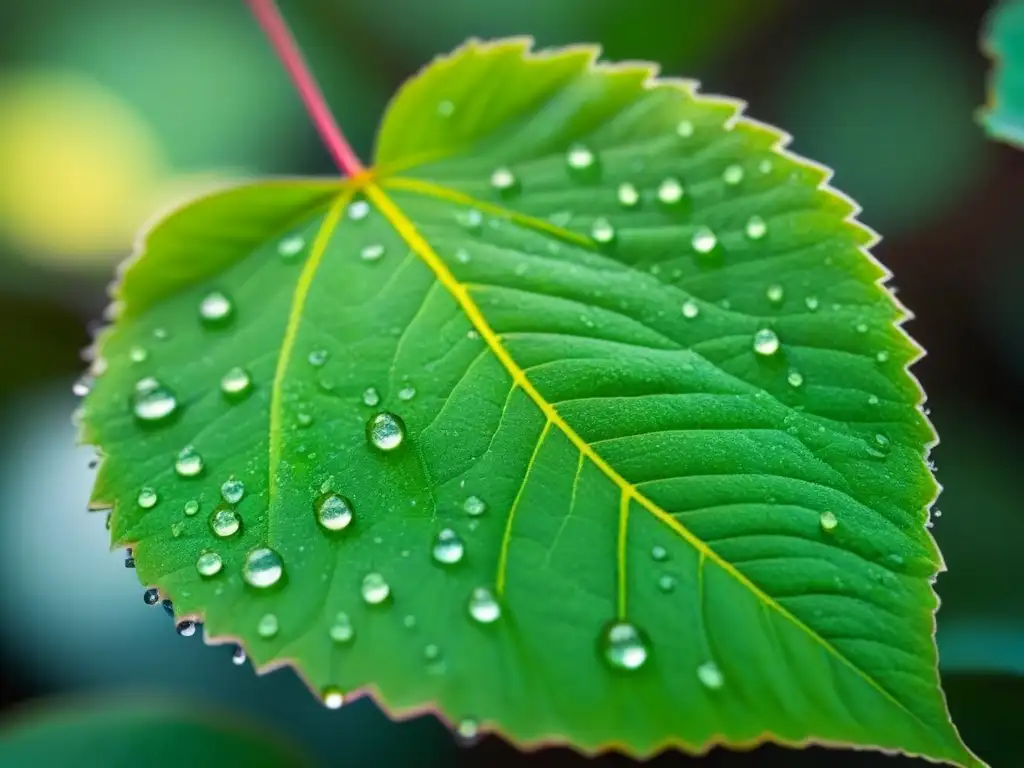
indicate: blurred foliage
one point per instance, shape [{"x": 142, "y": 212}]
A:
[{"x": 1004, "y": 42}]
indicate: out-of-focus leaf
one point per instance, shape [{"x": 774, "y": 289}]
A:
[{"x": 1003, "y": 40}]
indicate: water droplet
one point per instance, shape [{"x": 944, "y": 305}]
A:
[
  {"x": 191, "y": 507},
  {"x": 385, "y": 431},
  {"x": 483, "y": 607},
  {"x": 861, "y": 328},
  {"x": 659, "y": 554},
  {"x": 358, "y": 210},
  {"x": 628, "y": 195},
  {"x": 138, "y": 354},
  {"x": 828, "y": 521},
  {"x": 232, "y": 490},
  {"x": 151, "y": 596},
  {"x": 670, "y": 192},
  {"x": 795, "y": 379},
  {"x": 224, "y": 521},
  {"x": 812, "y": 303},
  {"x": 765, "y": 166},
  {"x": 445, "y": 108},
  {"x": 775, "y": 293},
  {"x": 161, "y": 334},
  {"x": 372, "y": 252},
  {"x": 407, "y": 393},
  {"x": 333, "y": 511},
  {"x": 238, "y": 657},
  {"x": 602, "y": 231},
  {"x": 684, "y": 129},
  {"x": 431, "y": 652},
  {"x": 189, "y": 463},
  {"x": 332, "y": 697},
  {"x": 375, "y": 589},
  {"x": 448, "y": 547},
  {"x": 129, "y": 562},
  {"x": 236, "y": 383},
  {"x": 185, "y": 628},
  {"x": 882, "y": 357},
  {"x": 882, "y": 442},
  {"x": 268, "y": 626},
  {"x": 177, "y": 528},
  {"x": 341, "y": 630},
  {"x": 263, "y": 568},
  {"x": 710, "y": 675},
  {"x": 168, "y": 607},
  {"x": 291, "y": 246},
  {"x": 504, "y": 181},
  {"x": 690, "y": 309},
  {"x": 467, "y": 729},
  {"x": 766, "y": 342},
  {"x": 704, "y": 241},
  {"x": 82, "y": 386},
  {"x": 147, "y": 498},
  {"x": 623, "y": 646},
  {"x": 471, "y": 219},
  {"x": 873, "y": 400},
  {"x": 215, "y": 309},
  {"x": 666, "y": 583},
  {"x": 733, "y": 175},
  {"x": 152, "y": 401},
  {"x": 409, "y": 622},
  {"x": 317, "y": 357},
  {"x": 474, "y": 506},
  {"x": 303, "y": 419},
  {"x": 580, "y": 158},
  {"x": 209, "y": 564}
]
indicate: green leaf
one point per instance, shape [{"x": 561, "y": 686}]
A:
[
  {"x": 632, "y": 354},
  {"x": 1003, "y": 41},
  {"x": 121, "y": 734}
]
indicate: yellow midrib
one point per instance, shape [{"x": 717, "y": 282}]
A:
[{"x": 408, "y": 231}]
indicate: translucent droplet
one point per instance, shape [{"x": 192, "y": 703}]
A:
[
  {"x": 371, "y": 396},
  {"x": 409, "y": 622},
  {"x": 474, "y": 506},
  {"x": 882, "y": 442},
  {"x": 317, "y": 357},
  {"x": 291, "y": 246},
  {"x": 407, "y": 393},
  {"x": 129, "y": 562},
  {"x": 756, "y": 228},
  {"x": 445, "y": 108},
  {"x": 431, "y": 652},
  {"x": 224, "y": 521},
  {"x": 238, "y": 656},
  {"x": 268, "y": 626},
  {"x": 775, "y": 293},
  {"x": 471, "y": 219},
  {"x": 263, "y": 568},
  {"x": 177, "y": 529},
  {"x": 215, "y": 309},
  {"x": 504, "y": 181},
  {"x": 795, "y": 379},
  {"x": 690, "y": 309},
  {"x": 303, "y": 419},
  {"x": 602, "y": 231},
  {"x": 666, "y": 583},
  {"x": 358, "y": 210},
  {"x": 861, "y": 328},
  {"x": 882, "y": 357},
  {"x": 236, "y": 383},
  {"x": 765, "y": 166},
  {"x": 467, "y": 729},
  {"x": 710, "y": 675},
  {"x": 828, "y": 521},
  {"x": 152, "y": 401},
  {"x": 138, "y": 354},
  {"x": 191, "y": 507},
  {"x": 147, "y": 498},
  {"x": 733, "y": 175},
  {"x": 812, "y": 303},
  {"x": 168, "y": 607},
  {"x": 341, "y": 630},
  {"x": 209, "y": 564},
  {"x": 161, "y": 334},
  {"x": 873, "y": 400},
  {"x": 766, "y": 343},
  {"x": 151, "y": 596},
  {"x": 333, "y": 511},
  {"x": 189, "y": 463},
  {"x": 670, "y": 192},
  {"x": 623, "y": 646},
  {"x": 82, "y": 386},
  {"x": 580, "y": 158},
  {"x": 448, "y": 547},
  {"x": 483, "y": 608},
  {"x": 628, "y": 195},
  {"x": 704, "y": 241},
  {"x": 185, "y": 628},
  {"x": 332, "y": 697},
  {"x": 232, "y": 490},
  {"x": 684, "y": 129},
  {"x": 385, "y": 431},
  {"x": 375, "y": 589},
  {"x": 372, "y": 252}
]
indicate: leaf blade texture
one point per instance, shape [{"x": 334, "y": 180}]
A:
[{"x": 584, "y": 416}]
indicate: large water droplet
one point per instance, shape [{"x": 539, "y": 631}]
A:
[
  {"x": 332, "y": 697},
  {"x": 710, "y": 675},
  {"x": 448, "y": 547},
  {"x": 385, "y": 431},
  {"x": 191, "y": 507},
  {"x": 375, "y": 589},
  {"x": 215, "y": 309},
  {"x": 372, "y": 252},
  {"x": 371, "y": 396},
  {"x": 268, "y": 626},
  {"x": 704, "y": 241},
  {"x": 189, "y": 463},
  {"x": 504, "y": 182},
  {"x": 733, "y": 175},
  {"x": 602, "y": 231},
  {"x": 828, "y": 521},
  {"x": 628, "y": 195},
  {"x": 358, "y": 210},
  {"x": 224, "y": 521},
  {"x": 766, "y": 343},
  {"x": 483, "y": 608},
  {"x": 474, "y": 506},
  {"x": 147, "y": 498},
  {"x": 152, "y": 402},
  {"x": 209, "y": 564},
  {"x": 623, "y": 646},
  {"x": 755, "y": 228},
  {"x": 333, "y": 511},
  {"x": 341, "y": 630},
  {"x": 670, "y": 192},
  {"x": 291, "y": 247},
  {"x": 690, "y": 309},
  {"x": 263, "y": 568},
  {"x": 236, "y": 383}
]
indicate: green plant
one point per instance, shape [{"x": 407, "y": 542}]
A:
[{"x": 583, "y": 415}]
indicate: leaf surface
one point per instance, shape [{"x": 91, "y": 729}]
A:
[
  {"x": 1003, "y": 117},
  {"x": 661, "y": 478}
]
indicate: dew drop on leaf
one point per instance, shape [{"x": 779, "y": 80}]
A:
[
  {"x": 710, "y": 675},
  {"x": 755, "y": 228},
  {"x": 147, "y": 498},
  {"x": 659, "y": 554},
  {"x": 733, "y": 175},
  {"x": 467, "y": 729},
  {"x": 795, "y": 379},
  {"x": 185, "y": 628},
  {"x": 448, "y": 547},
  {"x": 138, "y": 354},
  {"x": 385, "y": 431},
  {"x": 375, "y": 589},
  {"x": 628, "y": 195},
  {"x": 191, "y": 507},
  {"x": 161, "y": 334},
  {"x": 766, "y": 343},
  {"x": 602, "y": 231},
  {"x": 483, "y": 608},
  {"x": 828, "y": 521},
  {"x": 215, "y": 309},
  {"x": 666, "y": 583},
  {"x": 236, "y": 383},
  {"x": 232, "y": 490},
  {"x": 267, "y": 626},
  {"x": 291, "y": 247},
  {"x": 861, "y": 328},
  {"x": 445, "y": 108},
  {"x": 341, "y": 630},
  {"x": 704, "y": 241},
  {"x": 372, "y": 252},
  {"x": 623, "y": 646},
  {"x": 670, "y": 192},
  {"x": 470, "y": 219},
  {"x": 153, "y": 402},
  {"x": 371, "y": 396},
  {"x": 82, "y": 386},
  {"x": 579, "y": 158},
  {"x": 332, "y": 697},
  {"x": 333, "y": 511},
  {"x": 882, "y": 357},
  {"x": 317, "y": 357},
  {"x": 209, "y": 564},
  {"x": 474, "y": 506},
  {"x": 504, "y": 182},
  {"x": 358, "y": 210},
  {"x": 151, "y": 596},
  {"x": 224, "y": 521},
  {"x": 690, "y": 309},
  {"x": 775, "y": 293},
  {"x": 189, "y": 463},
  {"x": 684, "y": 129},
  {"x": 873, "y": 400},
  {"x": 238, "y": 656},
  {"x": 407, "y": 393},
  {"x": 812, "y": 303},
  {"x": 263, "y": 568}
]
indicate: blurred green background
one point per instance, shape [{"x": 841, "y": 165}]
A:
[{"x": 110, "y": 110}]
